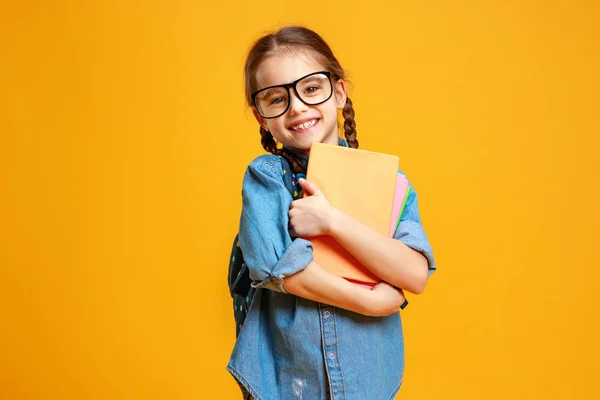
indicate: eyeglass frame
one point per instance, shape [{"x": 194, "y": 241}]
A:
[{"x": 287, "y": 87}]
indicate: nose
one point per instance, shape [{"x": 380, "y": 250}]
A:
[{"x": 296, "y": 105}]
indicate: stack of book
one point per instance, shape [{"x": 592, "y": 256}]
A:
[{"x": 365, "y": 185}]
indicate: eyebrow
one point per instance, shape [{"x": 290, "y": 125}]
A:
[{"x": 317, "y": 77}]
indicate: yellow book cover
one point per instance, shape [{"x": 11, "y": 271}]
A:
[{"x": 361, "y": 184}]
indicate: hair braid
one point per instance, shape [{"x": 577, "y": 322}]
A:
[
  {"x": 267, "y": 141},
  {"x": 349, "y": 124},
  {"x": 270, "y": 145}
]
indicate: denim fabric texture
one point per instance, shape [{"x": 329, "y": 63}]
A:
[{"x": 293, "y": 348}]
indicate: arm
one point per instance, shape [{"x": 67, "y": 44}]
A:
[
  {"x": 317, "y": 284},
  {"x": 388, "y": 258},
  {"x": 402, "y": 261}
]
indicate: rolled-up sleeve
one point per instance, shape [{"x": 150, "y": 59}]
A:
[
  {"x": 410, "y": 230},
  {"x": 269, "y": 251}
]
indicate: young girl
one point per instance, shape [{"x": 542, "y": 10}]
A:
[{"x": 310, "y": 334}]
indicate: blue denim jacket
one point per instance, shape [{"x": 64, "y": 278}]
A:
[{"x": 293, "y": 348}]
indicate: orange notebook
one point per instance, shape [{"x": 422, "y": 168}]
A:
[{"x": 360, "y": 183}]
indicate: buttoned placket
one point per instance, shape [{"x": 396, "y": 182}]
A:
[{"x": 330, "y": 351}]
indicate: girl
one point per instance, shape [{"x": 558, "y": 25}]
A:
[{"x": 310, "y": 334}]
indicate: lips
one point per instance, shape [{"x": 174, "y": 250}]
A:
[{"x": 303, "y": 125}]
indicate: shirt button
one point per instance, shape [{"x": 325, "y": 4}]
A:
[
  {"x": 331, "y": 356},
  {"x": 326, "y": 314}
]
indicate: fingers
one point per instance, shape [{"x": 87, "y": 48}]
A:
[
  {"x": 309, "y": 188},
  {"x": 292, "y": 232},
  {"x": 291, "y": 229}
]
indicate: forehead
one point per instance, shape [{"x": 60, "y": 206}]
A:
[{"x": 286, "y": 66}]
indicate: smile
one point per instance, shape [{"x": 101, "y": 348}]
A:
[{"x": 304, "y": 125}]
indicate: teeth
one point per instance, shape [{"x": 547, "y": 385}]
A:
[{"x": 305, "y": 125}]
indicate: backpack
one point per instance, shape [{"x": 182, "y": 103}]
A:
[
  {"x": 238, "y": 276},
  {"x": 239, "y": 282}
]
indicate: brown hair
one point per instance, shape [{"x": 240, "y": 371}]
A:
[{"x": 291, "y": 38}]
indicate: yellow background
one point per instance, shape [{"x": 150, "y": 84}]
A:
[{"x": 123, "y": 141}]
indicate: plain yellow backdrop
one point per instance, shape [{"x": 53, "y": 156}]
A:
[{"x": 124, "y": 137}]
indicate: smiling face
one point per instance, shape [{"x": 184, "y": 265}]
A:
[{"x": 301, "y": 125}]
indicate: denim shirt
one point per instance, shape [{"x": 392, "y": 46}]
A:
[{"x": 294, "y": 348}]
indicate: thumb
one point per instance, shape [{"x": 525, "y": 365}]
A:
[{"x": 309, "y": 188}]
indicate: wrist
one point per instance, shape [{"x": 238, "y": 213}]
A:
[
  {"x": 366, "y": 301},
  {"x": 336, "y": 218}
]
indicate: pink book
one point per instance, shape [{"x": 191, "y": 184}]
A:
[{"x": 400, "y": 196}]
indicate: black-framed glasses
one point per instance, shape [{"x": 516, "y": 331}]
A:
[{"x": 312, "y": 89}]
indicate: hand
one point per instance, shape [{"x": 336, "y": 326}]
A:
[
  {"x": 387, "y": 300},
  {"x": 312, "y": 215}
]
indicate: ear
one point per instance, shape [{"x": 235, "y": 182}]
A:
[
  {"x": 339, "y": 91},
  {"x": 261, "y": 121}
]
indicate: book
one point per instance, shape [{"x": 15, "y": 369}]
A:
[
  {"x": 363, "y": 185},
  {"x": 400, "y": 196}
]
